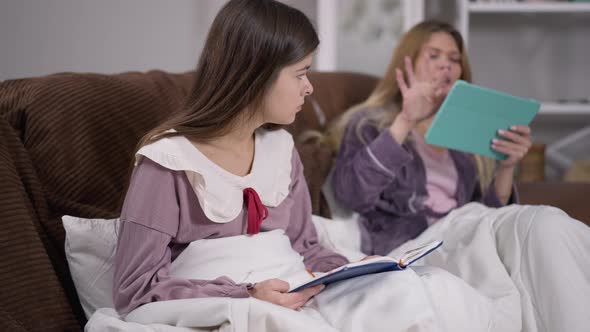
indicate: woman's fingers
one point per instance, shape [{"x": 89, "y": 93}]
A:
[
  {"x": 513, "y": 150},
  {"x": 509, "y": 145},
  {"x": 410, "y": 70},
  {"x": 521, "y": 137},
  {"x": 524, "y": 130},
  {"x": 401, "y": 82},
  {"x": 409, "y": 82},
  {"x": 517, "y": 144}
]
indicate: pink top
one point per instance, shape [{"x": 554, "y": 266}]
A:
[{"x": 441, "y": 177}]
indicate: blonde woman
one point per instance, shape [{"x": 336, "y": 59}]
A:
[{"x": 404, "y": 189}]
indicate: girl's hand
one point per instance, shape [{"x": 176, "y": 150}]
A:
[
  {"x": 275, "y": 291},
  {"x": 517, "y": 144},
  {"x": 420, "y": 98}
]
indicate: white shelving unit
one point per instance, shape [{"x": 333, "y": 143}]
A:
[
  {"x": 569, "y": 108},
  {"x": 528, "y": 7},
  {"x": 327, "y": 25},
  {"x": 539, "y": 17}
]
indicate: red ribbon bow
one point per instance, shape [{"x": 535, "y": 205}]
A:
[{"x": 257, "y": 212}]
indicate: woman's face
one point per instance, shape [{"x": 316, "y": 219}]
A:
[
  {"x": 440, "y": 60},
  {"x": 286, "y": 96}
]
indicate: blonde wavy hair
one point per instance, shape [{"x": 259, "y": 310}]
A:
[{"x": 387, "y": 94}]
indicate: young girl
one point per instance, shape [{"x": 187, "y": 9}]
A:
[
  {"x": 218, "y": 211},
  {"x": 212, "y": 171},
  {"x": 400, "y": 185}
]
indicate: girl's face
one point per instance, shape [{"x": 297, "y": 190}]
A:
[
  {"x": 440, "y": 60},
  {"x": 286, "y": 96}
]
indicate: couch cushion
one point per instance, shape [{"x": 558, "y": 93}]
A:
[
  {"x": 80, "y": 130},
  {"x": 77, "y": 133}
]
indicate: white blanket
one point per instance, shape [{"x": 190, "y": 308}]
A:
[
  {"x": 532, "y": 261},
  {"x": 424, "y": 299},
  {"x": 485, "y": 247}
]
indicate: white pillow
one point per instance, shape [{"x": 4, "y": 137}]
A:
[
  {"x": 341, "y": 236},
  {"x": 90, "y": 247}
]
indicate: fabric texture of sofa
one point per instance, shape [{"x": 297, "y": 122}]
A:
[{"x": 66, "y": 142}]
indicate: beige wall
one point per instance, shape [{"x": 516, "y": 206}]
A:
[
  {"x": 40, "y": 37},
  {"x": 107, "y": 36}
]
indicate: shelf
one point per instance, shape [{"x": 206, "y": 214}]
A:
[
  {"x": 530, "y": 7},
  {"x": 564, "y": 108}
]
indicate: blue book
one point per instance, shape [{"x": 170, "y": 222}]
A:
[
  {"x": 369, "y": 266},
  {"x": 471, "y": 115}
]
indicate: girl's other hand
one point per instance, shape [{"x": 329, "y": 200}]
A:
[
  {"x": 517, "y": 144},
  {"x": 275, "y": 291}
]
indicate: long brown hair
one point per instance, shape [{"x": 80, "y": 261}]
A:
[
  {"x": 387, "y": 93},
  {"x": 248, "y": 44}
]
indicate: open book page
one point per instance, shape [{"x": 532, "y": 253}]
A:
[
  {"x": 368, "y": 266},
  {"x": 378, "y": 259},
  {"x": 415, "y": 254}
]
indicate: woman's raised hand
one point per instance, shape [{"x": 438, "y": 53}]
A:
[
  {"x": 421, "y": 97},
  {"x": 275, "y": 291}
]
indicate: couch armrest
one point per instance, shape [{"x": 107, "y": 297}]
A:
[
  {"x": 7, "y": 323},
  {"x": 32, "y": 296},
  {"x": 571, "y": 197}
]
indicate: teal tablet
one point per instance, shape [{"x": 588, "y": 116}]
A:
[{"x": 471, "y": 115}]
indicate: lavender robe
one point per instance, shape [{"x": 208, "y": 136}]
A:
[
  {"x": 385, "y": 182},
  {"x": 161, "y": 216}
]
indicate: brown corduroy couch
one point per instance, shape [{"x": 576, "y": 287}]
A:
[{"x": 66, "y": 142}]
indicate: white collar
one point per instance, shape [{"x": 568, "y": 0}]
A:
[{"x": 219, "y": 191}]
